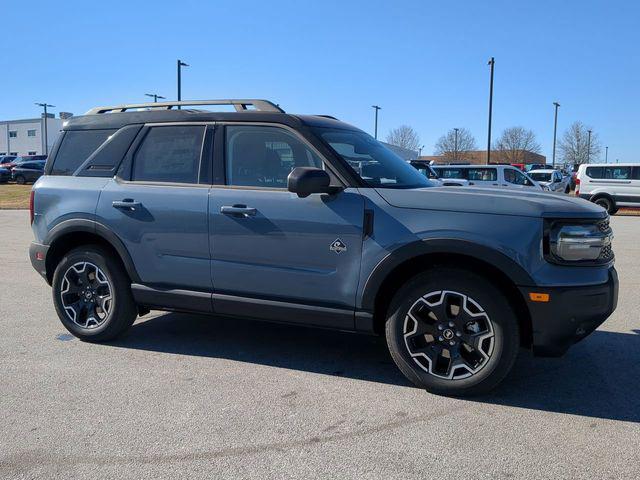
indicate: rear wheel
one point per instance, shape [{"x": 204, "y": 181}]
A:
[
  {"x": 92, "y": 294},
  {"x": 607, "y": 203},
  {"x": 20, "y": 180},
  {"x": 452, "y": 332}
]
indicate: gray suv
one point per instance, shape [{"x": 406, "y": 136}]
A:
[{"x": 304, "y": 219}]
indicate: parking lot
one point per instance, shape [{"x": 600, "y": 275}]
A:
[{"x": 186, "y": 396}]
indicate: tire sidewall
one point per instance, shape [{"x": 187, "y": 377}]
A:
[
  {"x": 98, "y": 258},
  {"x": 500, "y": 313},
  {"x": 605, "y": 203}
]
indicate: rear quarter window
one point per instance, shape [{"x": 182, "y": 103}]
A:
[
  {"x": 595, "y": 172},
  {"x": 76, "y": 147}
]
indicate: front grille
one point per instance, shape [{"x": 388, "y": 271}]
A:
[{"x": 606, "y": 253}]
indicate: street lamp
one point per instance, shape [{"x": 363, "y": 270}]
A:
[
  {"x": 46, "y": 137},
  {"x": 420, "y": 151},
  {"x": 555, "y": 130},
  {"x": 455, "y": 144},
  {"x": 589, "y": 147},
  {"x": 491, "y": 65},
  {"x": 606, "y": 154},
  {"x": 375, "y": 131},
  {"x": 155, "y": 96},
  {"x": 180, "y": 65}
]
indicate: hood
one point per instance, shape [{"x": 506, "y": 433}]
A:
[{"x": 493, "y": 201}]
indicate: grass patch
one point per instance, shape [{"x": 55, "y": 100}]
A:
[{"x": 14, "y": 196}]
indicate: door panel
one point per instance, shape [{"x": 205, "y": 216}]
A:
[
  {"x": 283, "y": 250},
  {"x": 165, "y": 231}
]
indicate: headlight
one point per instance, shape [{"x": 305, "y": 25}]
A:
[{"x": 585, "y": 242}]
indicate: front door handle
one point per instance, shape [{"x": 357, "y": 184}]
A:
[
  {"x": 238, "y": 211},
  {"x": 127, "y": 204}
]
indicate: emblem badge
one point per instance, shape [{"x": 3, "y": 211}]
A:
[{"x": 338, "y": 246}]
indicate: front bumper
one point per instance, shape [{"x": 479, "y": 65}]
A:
[
  {"x": 570, "y": 315},
  {"x": 38, "y": 257}
]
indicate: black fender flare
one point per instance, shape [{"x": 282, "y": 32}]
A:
[
  {"x": 516, "y": 273},
  {"x": 91, "y": 226}
]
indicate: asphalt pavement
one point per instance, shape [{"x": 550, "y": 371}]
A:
[{"x": 188, "y": 396}]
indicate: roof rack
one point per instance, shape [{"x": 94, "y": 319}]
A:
[{"x": 240, "y": 106}]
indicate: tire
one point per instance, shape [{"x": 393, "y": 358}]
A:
[
  {"x": 484, "y": 318},
  {"x": 91, "y": 273},
  {"x": 607, "y": 203},
  {"x": 20, "y": 180}
]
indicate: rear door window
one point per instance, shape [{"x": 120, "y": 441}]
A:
[
  {"x": 482, "y": 174},
  {"x": 169, "y": 154},
  {"x": 452, "y": 173},
  {"x": 618, "y": 173},
  {"x": 76, "y": 147}
]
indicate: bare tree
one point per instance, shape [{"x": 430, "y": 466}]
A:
[
  {"x": 456, "y": 147},
  {"x": 404, "y": 137},
  {"x": 575, "y": 147},
  {"x": 514, "y": 142}
]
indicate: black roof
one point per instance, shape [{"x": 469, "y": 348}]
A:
[{"x": 121, "y": 119}]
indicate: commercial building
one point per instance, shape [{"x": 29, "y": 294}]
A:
[
  {"x": 26, "y": 136},
  {"x": 479, "y": 157}
]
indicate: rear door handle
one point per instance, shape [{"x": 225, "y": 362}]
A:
[
  {"x": 127, "y": 204},
  {"x": 238, "y": 211}
]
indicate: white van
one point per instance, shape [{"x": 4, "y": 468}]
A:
[
  {"x": 495, "y": 176},
  {"x": 609, "y": 185}
]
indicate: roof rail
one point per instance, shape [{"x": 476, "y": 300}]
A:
[{"x": 240, "y": 105}]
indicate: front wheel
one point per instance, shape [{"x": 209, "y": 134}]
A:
[
  {"x": 92, "y": 294},
  {"x": 20, "y": 180},
  {"x": 452, "y": 332}
]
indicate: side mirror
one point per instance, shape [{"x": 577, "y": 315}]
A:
[{"x": 307, "y": 180}]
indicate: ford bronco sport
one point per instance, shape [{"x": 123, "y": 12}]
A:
[{"x": 307, "y": 220}]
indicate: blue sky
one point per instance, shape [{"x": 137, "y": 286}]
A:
[{"x": 424, "y": 62}]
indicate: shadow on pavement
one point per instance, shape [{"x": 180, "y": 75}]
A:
[{"x": 596, "y": 378}]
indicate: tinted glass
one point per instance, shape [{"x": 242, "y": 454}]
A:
[
  {"x": 451, "y": 172},
  {"x": 169, "y": 154},
  {"x": 542, "y": 176},
  {"x": 482, "y": 174},
  {"x": 76, "y": 147},
  {"x": 636, "y": 173},
  {"x": 595, "y": 172},
  {"x": 374, "y": 163},
  {"x": 264, "y": 156},
  {"x": 618, "y": 173}
]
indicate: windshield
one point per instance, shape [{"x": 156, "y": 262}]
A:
[
  {"x": 541, "y": 176},
  {"x": 378, "y": 166}
]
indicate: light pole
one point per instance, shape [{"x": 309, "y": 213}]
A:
[
  {"x": 589, "y": 147},
  {"x": 375, "y": 131},
  {"x": 180, "y": 65},
  {"x": 491, "y": 64},
  {"x": 606, "y": 154},
  {"x": 455, "y": 145},
  {"x": 420, "y": 151},
  {"x": 155, "y": 96},
  {"x": 46, "y": 137},
  {"x": 555, "y": 130}
]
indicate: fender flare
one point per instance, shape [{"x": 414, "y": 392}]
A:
[
  {"x": 483, "y": 253},
  {"x": 91, "y": 226}
]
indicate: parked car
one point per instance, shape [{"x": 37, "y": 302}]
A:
[
  {"x": 7, "y": 161},
  {"x": 5, "y": 175},
  {"x": 500, "y": 176},
  {"x": 27, "y": 172},
  {"x": 22, "y": 159},
  {"x": 427, "y": 170},
  {"x": 264, "y": 214},
  {"x": 551, "y": 180},
  {"x": 609, "y": 185}
]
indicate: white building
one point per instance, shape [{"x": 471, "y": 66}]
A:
[{"x": 26, "y": 137}]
